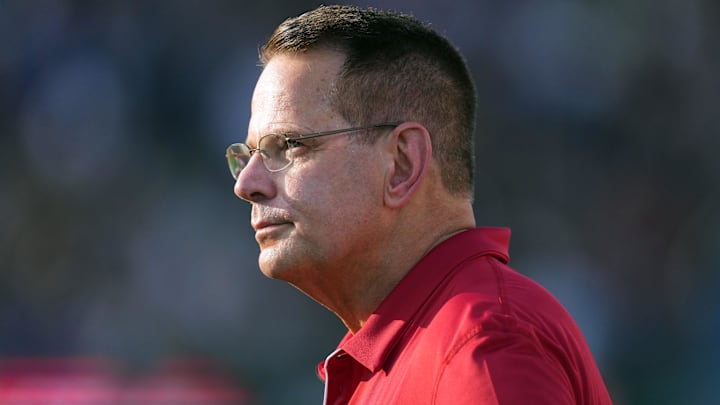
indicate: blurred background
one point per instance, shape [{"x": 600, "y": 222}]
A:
[{"x": 128, "y": 267}]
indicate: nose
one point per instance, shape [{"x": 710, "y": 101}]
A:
[{"x": 255, "y": 183}]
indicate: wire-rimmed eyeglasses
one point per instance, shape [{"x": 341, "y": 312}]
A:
[{"x": 276, "y": 150}]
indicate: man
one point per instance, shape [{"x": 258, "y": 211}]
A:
[{"x": 359, "y": 169}]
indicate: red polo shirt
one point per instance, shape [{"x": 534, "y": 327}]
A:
[{"x": 464, "y": 328}]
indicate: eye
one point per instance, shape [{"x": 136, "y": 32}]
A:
[{"x": 292, "y": 143}]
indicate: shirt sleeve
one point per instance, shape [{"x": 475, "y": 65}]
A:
[{"x": 504, "y": 368}]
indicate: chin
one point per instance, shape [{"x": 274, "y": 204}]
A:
[{"x": 273, "y": 264}]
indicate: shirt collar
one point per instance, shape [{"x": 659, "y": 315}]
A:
[{"x": 374, "y": 342}]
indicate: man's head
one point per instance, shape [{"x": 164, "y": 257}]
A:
[
  {"x": 347, "y": 214},
  {"x": 395, "y": 69}
]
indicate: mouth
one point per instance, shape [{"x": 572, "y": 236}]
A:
[
  {"x": 269, "y": 223},
  {"x": 262, "y": 226},
  {"x": 269, "y": 229}
]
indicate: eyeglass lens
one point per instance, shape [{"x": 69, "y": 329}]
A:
[
  {"x": 275, "y": 151},
  {"x": 237, "y": 156},
  {"x": 277, "y": 154}
]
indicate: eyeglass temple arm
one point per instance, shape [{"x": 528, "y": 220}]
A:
[{"x": 340, "y": 131}]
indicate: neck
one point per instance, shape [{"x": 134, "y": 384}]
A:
[{"x": 406, "y": 242}]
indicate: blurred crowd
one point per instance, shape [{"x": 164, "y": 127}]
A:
[{"x": 120, "y": 237}]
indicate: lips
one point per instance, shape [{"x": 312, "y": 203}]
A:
[
  {"x": 263, "y": 224},
  {"x": 265, "y": 221},
  {"x": 268, "y": 231}
]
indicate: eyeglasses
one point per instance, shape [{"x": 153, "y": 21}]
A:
[{"x": 276, "y": 150}]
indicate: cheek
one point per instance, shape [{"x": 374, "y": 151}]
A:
[
  {"x": 335, "y": 200},
  {"x": 335, "y": 191},
  {"x": 309, "y": 200}
]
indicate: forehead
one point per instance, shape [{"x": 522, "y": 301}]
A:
[{"x": 292, "y": 93}]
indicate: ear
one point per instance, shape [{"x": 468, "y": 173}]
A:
[{"x": 411, "y": 151}]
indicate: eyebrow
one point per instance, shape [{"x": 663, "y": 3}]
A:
[{"x": 282, "y": 128}]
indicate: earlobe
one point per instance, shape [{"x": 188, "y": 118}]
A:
[{"x": 411, "y": 151}]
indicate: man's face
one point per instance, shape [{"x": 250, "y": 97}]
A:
[{"x": 320, "y": 215}]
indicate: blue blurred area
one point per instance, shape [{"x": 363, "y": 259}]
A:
[{"x": 120, "y": 236}]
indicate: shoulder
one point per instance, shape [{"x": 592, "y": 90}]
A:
[
  {"x": 504, "y": 336},
  {"x": 486, "y": 302}
]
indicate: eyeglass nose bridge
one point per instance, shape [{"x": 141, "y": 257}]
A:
[{"x": 252, "y": 152}]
